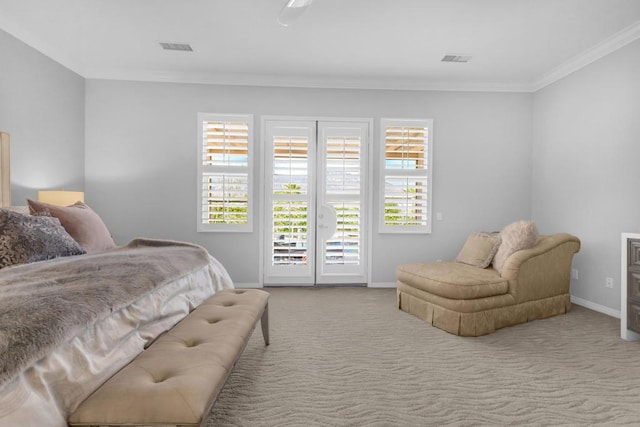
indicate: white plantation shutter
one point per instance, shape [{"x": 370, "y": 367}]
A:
[
  {"x": 290, "y": 200},
  {"x": 289, "y": 197},
  {"x": 225, "y": 146},
  {"x": 406, "y": 178},
  {"x": 343, "y": 193}
]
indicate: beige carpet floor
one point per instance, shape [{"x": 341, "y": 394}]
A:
[{"x": 349, "y": 357}]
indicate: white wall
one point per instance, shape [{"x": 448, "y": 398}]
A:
[
  {"x": 586, "y": 173},
  {"x": 141, "y": 161},
  {"x": 42, "y": 107}
]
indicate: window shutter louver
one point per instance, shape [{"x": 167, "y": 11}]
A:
[
  {"x": 226, "y": 143},
  {"x": 225, "y": 171},
  {"x": 406, "y": 166},
  {"x": 290, "y": 200},
  {"x": 343, "y": 185}
]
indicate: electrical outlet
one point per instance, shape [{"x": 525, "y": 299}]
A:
[
  {"x": 438, "y": 216},
  {"x": 609, "y": 283},
  {"x": 574, "y": 274}
]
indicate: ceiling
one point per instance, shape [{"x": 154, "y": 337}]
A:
[{"x": 516, "y": 45}]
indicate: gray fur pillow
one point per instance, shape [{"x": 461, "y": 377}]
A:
[
  {"x": 515, "y": 237},
  {"x": 26, "y": 238}
]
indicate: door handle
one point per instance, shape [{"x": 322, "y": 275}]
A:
[{"x": 327, "y": 220}]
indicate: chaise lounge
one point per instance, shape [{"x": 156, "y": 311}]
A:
[{"x": 468, "y": 300}]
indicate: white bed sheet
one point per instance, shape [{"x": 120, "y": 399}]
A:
[{"x": 46, "y": 393}]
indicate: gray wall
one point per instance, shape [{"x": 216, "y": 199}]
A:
[
  {"x": 586, "y": 150},
  {"x": 141, "y": 161},
  {"x": 567, "y": 156},
  {"x": 42, "y": 106}
]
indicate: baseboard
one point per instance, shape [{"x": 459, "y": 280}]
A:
[
  {"x": 595, "y": 307},
  {"x": 251, "y": 285},
  {"x": 382, "y": 285},
  {"x": 575, "y": 300},
  {"x": 247, "y": 285}
]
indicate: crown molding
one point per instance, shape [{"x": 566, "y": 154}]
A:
[
  {"x": 607, "y": 46},
  {"x": 311, "y": 82},
  {"x": 602, "y": 49}
]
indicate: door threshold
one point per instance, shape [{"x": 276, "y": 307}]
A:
[{"x": 340, "y": 285}]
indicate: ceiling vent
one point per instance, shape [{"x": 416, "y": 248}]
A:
[
  {"x": 456, "y": 58},
  {"x": 183, "y": 47}
]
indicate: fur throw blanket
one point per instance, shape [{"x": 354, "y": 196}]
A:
[{"x": 44, "y": 304}]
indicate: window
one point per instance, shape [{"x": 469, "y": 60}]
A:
[
  {"x": 406, "y": 163},
  {"x": 225, "y": 149}
]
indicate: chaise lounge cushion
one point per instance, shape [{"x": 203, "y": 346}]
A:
[
  {"x": 453, "y": 280},
  {"x": 479, "y": 249}
]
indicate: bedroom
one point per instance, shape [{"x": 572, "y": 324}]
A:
[{"x": 562, "y": 154}]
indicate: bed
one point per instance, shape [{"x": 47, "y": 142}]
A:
[{"x": 70, "y": 320}]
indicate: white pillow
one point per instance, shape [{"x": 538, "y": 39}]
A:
[{"x": 515, "y": 237}]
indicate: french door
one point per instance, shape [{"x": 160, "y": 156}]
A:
[{"x": 315, "y": 202}]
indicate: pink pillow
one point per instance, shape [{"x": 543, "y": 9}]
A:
[{"x": 81, "y": 222}]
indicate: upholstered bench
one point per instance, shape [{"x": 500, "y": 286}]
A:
[{"x": 177, "y": 379}]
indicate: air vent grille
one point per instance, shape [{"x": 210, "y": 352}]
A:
[
  {"x": 456, "y": 58},
  {"x": 183, "y": 47}
]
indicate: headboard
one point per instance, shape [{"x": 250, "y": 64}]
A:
[{"x": 5, "y": 174}]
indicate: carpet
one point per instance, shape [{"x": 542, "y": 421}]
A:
[{"x": 349, "y": 357}]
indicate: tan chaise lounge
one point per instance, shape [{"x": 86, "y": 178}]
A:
[{"x": 471, "y": 301}]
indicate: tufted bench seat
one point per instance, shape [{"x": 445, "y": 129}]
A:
[{"x": 178, "y": 378}]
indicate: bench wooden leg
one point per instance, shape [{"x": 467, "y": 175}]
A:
[{"x": 264, "y": 322}]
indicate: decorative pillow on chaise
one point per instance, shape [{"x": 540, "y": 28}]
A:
[
  {"x": 515, "y": 237},
  {"x": 479, "y": 249},
  {"x": 26, "y": 238},
  {"x": 81, "y": 222}
]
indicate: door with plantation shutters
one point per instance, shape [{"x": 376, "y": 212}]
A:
[
  {"x": 289, "y": 241},
  {"x": 341, "y": 199},
  {"x": 315, "y": 186}
]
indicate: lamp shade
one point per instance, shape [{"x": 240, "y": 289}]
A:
[{"x": 60, "y": 197}]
